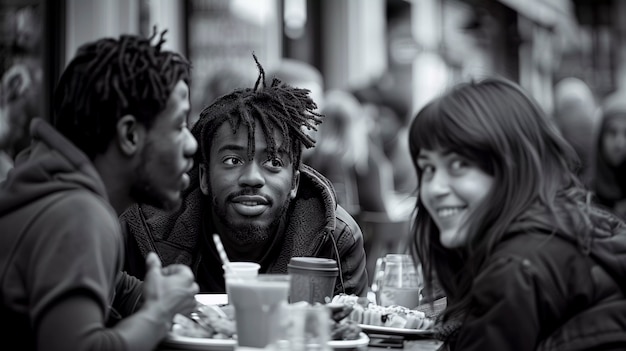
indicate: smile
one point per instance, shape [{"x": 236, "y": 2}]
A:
[{"x": 446, "y": 212}]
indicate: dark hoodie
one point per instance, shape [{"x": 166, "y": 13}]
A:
[
  {"x": 59, "y": 236},
  {"x": 314, "y": 226},
  {"x": 555, "y": 291}
]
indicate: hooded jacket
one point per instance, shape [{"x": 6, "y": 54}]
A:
[
  {"x": 314, "y": 226},
  {"x": 59, "y": 236},
  {"x": 555, "y": 293}
]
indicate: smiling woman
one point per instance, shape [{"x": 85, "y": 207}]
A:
[{"x": 505, "y": 226}]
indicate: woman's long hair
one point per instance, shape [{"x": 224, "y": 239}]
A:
[{"x": 499, "y": 127}]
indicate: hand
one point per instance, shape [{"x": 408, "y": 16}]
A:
[{"x": 171, "y": 289}]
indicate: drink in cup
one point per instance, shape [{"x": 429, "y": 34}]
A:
[
  {"x": 312, "y": 279},
  {"x": 259, "y": 304},
  {"x": 240, "y": 270},
  {"x": 398, "y": 281}
]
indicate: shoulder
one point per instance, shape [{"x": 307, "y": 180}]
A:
[
  {"x": 78, "y": 217},
  {"x": 346, "y": 226},
  {"x": 534, "y": 261}
]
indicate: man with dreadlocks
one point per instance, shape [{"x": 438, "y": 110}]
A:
[
  {"x": 118, "y": 135},
  {"x": 250, "y": 187}
]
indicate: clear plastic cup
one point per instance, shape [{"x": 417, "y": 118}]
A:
[{"x": 259, "y": 308}]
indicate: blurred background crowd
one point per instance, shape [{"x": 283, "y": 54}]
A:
[{"x": 370, "y": 64}]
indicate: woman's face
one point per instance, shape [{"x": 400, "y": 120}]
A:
[
  {"x": 614, "y": 141},
  {"x": 451, "y": 188}
]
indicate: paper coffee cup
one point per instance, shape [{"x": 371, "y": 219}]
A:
[{"x": 312, "y": 279}]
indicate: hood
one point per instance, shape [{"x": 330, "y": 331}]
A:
[
  {"x": 606, "y": 242},
  {"x": 50, "y": 164},
  {"x": 314, "y": 185}
]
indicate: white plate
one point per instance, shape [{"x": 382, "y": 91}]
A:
[
  {"x": 360, "y": 343},
  {"x": 212, "y": 299},
  {"x": 405, "y": 332},
  {"x": 176, "y": 342}
]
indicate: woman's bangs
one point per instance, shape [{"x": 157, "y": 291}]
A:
[{"x": 435, "y": 129}]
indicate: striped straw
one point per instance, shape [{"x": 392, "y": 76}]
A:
[{"x": 222, "y": 252}]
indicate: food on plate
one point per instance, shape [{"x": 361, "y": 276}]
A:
[
  {"x": 207, "y": 321},
  {"x": 366, "y": 312},
  {"x": 218, "y": 322},
  {"x": 342, "y": 328}
]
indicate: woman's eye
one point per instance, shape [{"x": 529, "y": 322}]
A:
[
  {"x": 427, "y": 170},
  {"x": 458, "y": 164}
]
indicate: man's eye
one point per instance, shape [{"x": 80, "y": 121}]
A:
[
  {"x": 232, "y": 161},
  {"x": 274, "y": 163}
]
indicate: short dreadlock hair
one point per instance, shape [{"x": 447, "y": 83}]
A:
[
  {"x": 110, "y": 78},
  {"x": 278, "y": 106}
]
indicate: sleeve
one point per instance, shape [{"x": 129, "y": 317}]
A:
[
  {"x": 352, "y": 256},
  {"x": 505, "y": 310},
  {"x": 76, "y": 278},
  {"x": 128, "y": 295},
  {"x": 72, "y": 268}
]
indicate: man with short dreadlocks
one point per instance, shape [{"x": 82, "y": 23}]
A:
[
  {"x": 118, "y": 135},
  {"x": 250, "y": 187}
]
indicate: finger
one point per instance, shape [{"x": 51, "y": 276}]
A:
[
  {"x": 195, "y": 288},
  {"x": 153, "y": 261},
  {"x": 179, "y": 269}
]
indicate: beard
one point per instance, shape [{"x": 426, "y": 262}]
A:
[
  {"x": 245, "y": 232},
  {"x": 143, "y": 190}
]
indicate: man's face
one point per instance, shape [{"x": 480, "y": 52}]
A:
[
  {"x": 249, "y": 196},
  {"x": 166, "y": 155}
]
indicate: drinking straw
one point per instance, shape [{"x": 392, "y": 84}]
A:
[{"x": 222, "y": 252}]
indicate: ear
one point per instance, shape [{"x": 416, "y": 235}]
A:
[
  {"x": 204, "y": 178},
  {"x": 294, "y": 185},
  {"x": 130, "y": 134}
]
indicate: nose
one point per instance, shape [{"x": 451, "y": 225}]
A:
[
  {"x": 439, "y": 184},
  {"x": 251, "y": 175},
  {"x": 190, "y": 145}
]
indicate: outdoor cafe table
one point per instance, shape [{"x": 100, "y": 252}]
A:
[{"x": 409, "y": 345}]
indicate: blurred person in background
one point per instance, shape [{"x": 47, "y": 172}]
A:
[
  {"x": 576, "y": 115},
  {"x": 527, "y": 262},
  {"x": 346, "y": 155},
  {"x": 118, "y": 135},
  {"x": 22, "y": 82},
  {"x": 609, "y": 176},
  {"x": 6, "y": 161},
  {"x": 390, "y": 114},
  {"x": 250, "y": 187}
]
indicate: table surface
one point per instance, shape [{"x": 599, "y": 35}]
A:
[{"x": 411, "y": 345}]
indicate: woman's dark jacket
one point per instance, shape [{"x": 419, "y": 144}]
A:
[{"x": 542, "y": 290}]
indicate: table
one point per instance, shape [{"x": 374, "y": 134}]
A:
[
  {"x": 412, "y": 345},
  {"x": 409, "y": 345}
]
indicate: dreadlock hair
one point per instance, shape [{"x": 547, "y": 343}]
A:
[
  {"x": 108, "y": 79},
  {"x": 278, "y": 106}
]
